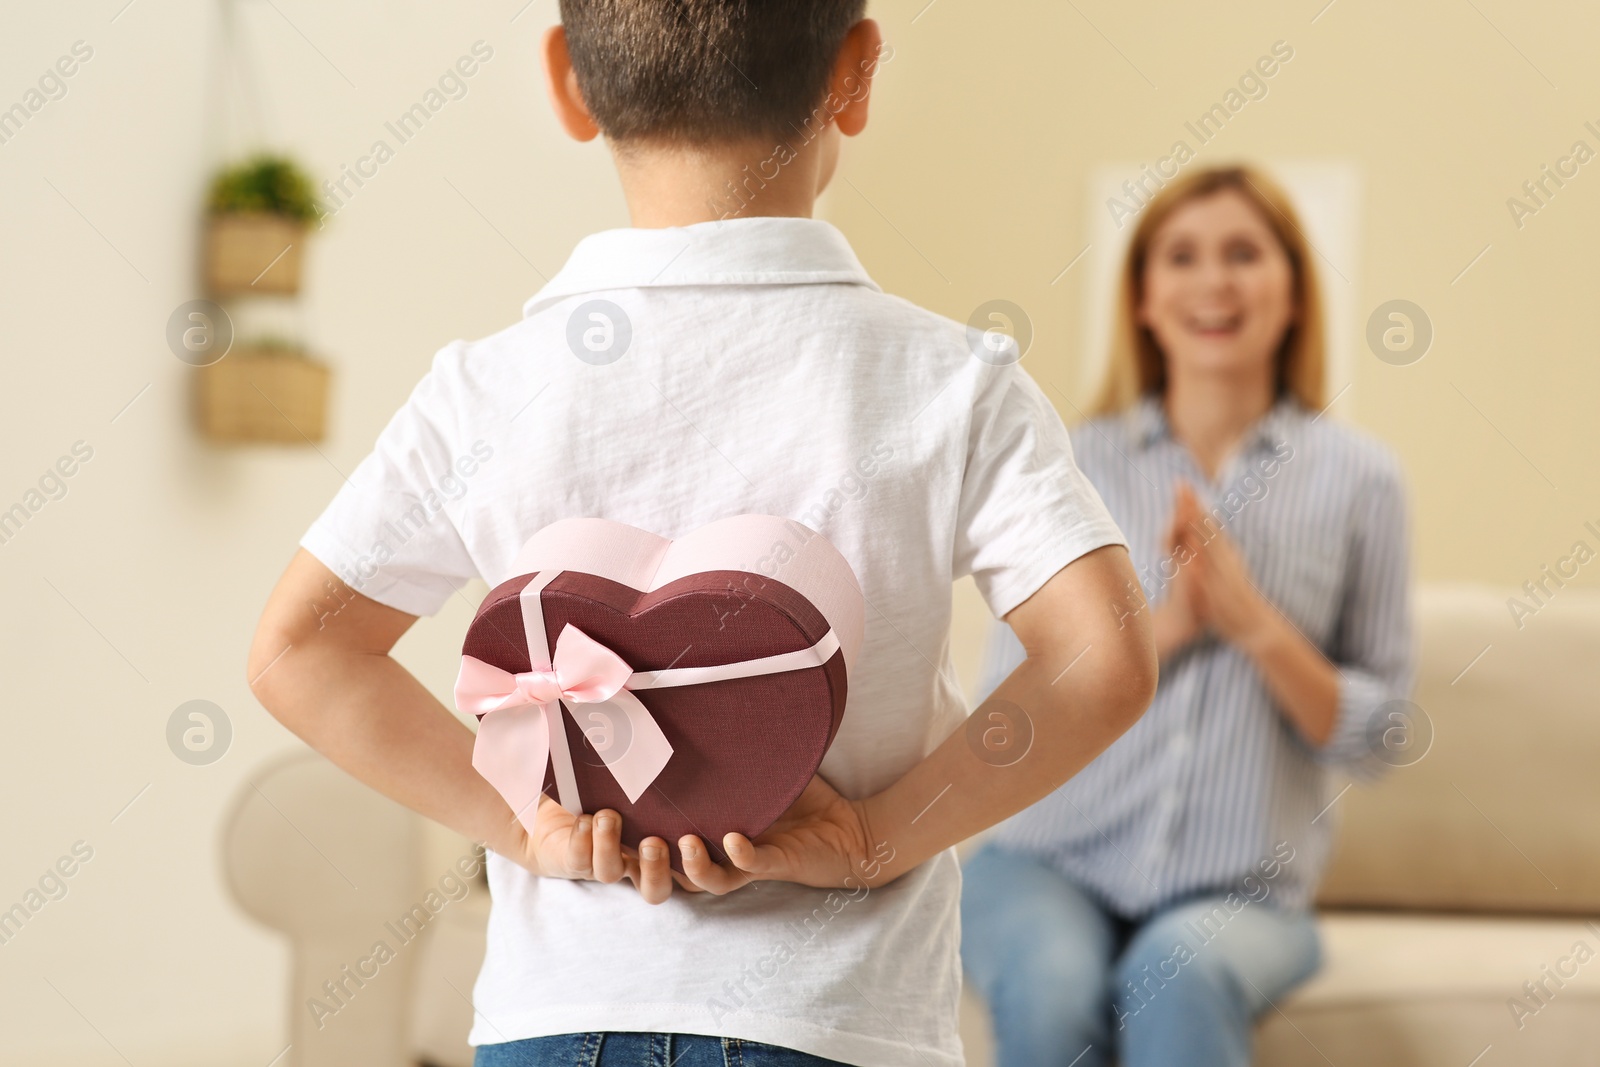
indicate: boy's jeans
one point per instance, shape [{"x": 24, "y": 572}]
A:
[
  {"x": 1070, "y": 984},
  {"x": 642, "y": 1050}
]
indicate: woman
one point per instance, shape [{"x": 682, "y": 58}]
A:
[{"x": 1155, "y": 905}]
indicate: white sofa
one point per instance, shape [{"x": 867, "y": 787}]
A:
[{"x": 1456, "y": 880}]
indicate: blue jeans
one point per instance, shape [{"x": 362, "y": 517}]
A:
[
  {"x": 1069, "y": 983},
  {"x": 642, "y": 1050}
]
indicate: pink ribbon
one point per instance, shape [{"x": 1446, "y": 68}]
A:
[
  {"x": 521, "y": 730},
  {"x": 584, "y": 672}
]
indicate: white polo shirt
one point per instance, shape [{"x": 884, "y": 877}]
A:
[{"x": 753, "y": 367}]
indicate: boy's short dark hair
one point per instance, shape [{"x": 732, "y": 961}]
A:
[{"x": 704, "y": 71}]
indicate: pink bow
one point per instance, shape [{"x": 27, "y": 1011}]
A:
[
  {"x": 583, "y": 671},
  {"x": 521, "y": 731}
]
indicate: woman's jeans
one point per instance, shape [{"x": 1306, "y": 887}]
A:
[
  {"x": 642, "y": 1050},
  {"x": 1068, "y": 983}
]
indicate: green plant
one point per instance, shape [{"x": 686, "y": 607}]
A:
[{"x": 266, "y": 183}]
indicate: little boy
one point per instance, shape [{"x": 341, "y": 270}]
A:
[{"x": 727, "y": 355}]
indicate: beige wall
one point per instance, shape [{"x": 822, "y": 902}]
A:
[
  {"x": 164, "y": 549},
  {"x": 969, "y": 185},
  {"x": 138, "y": 590}
]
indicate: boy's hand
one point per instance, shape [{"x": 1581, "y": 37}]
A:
[
  {"x": 822, "y": 840},
  {"x": 582, "y": 847}
]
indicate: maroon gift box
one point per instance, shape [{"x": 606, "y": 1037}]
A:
[{"x": 742, "y": 748}]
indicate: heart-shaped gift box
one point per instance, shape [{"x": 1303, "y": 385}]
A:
[{"x": 692, "y": 685}]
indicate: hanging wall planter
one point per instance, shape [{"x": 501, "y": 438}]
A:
[
  {"x": 256, "y": 228},
  {"x": 253, "y": 253},
  {"x": 258, "y": 216},
  {"x": 264, "y": 392}
]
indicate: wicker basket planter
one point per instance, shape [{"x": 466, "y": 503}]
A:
[
  {"x": 248, "y": 253},
  {"x": 267, "y": 395}
]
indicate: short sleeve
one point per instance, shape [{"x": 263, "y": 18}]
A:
[
  {"x": 389, "y": 532},
  {"x": 1026, "y": 509}
]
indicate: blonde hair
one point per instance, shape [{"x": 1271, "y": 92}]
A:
[{"x": 1137, "y": 367}]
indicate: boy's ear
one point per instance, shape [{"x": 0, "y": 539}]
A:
[
  {"x": 562, "y": 82},
  {"x": 851, "y": 84}
]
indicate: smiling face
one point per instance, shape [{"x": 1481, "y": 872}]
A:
[{"x": 1218, "y": 288}]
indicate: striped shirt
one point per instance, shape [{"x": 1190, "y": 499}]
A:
[{"x": 1214, "y": 777}]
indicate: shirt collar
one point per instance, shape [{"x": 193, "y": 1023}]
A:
[
  {"x": 751, "y": 251},
  {"x": 1148, "y": 422}
]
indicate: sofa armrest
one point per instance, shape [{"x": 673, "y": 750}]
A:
[{"x": 335, "y": 867}]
